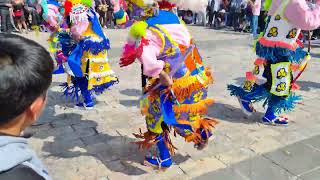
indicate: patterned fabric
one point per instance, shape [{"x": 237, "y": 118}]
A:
[
  {"x": 190, "y": 84},
  {"x": 280, "y": 57},
  {"x": 94, "y": 62}
]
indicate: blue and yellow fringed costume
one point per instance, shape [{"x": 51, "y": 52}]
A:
[
  {"x": 279, "y": 60},
  {"x": 181, "y": 107},
  {"x": 87, "y": 59}
]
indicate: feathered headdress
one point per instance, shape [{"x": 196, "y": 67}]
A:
[
  {"x": 193, "y": 5},
  {"x": 77, "y": 9}
]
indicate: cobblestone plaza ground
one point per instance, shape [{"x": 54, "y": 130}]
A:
[{"x": 95, "y": 145}]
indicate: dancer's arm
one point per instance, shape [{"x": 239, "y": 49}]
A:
[
  {"x": 152, "y": 67},
  {"x": 299, "y": 13}
]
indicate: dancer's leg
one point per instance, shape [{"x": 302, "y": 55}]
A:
[{"x": 164, "y": 158}]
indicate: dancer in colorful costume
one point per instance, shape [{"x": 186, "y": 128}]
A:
[
  {"x": 52, "y": 13},
  {"x": 280, "y": 60},
  {"x": 60, "y": 41},
  {"x": 176, "y": 94},
  {"x": 135, "y": 9},
  {"x": 120, "y": 14},
  {"x": 87, "y": 63}
]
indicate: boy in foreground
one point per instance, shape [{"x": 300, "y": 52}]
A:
[{"x": 25, "y": 76}]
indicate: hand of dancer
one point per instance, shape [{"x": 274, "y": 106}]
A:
[{"x": 165, "y": 79}]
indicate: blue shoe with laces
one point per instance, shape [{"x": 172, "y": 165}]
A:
[
  {"x": 246, "y": 106},
  {"x": 163, "y": 161}
]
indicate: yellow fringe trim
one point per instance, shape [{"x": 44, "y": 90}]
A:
[
  {"x": 185, "y": 86},
  {"x": 194, "y": 137},
  {"x": 200, "y": 107}
]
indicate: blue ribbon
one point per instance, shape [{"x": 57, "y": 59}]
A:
[
  {"x": 74, "y": 61},
  {"x": 168, "y": 114}
]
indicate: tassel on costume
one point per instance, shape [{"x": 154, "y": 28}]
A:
[
  {"x": 150, "y": 139},
  {"x": 203, "y": 124},
  {"x": 259, "y": 93},
  {"x": 101, "y": 88},
  {"x": 281, "y": 105},
  {"x": 70, "y": 91}
]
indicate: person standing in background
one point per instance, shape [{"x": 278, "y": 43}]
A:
[
  {"x": 256, "y": 7},
  {"x": 225, "y": 6},
  {"x": 18, "y": 14},
  {"x": 262, "y": 17},
  {"x": 238, "y": 12},
  {"x": 32, "y": 10},
  {"x": 216, "y": 8},
  {"x": 109, "y": 19},
  {"x": 6, "y": 25},
  {"x": 211, "y": 12},
  {"x": 101, "y": 9},
  {"x": 202, "y": 16}
]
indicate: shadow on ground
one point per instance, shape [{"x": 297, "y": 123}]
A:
[
  {"x": 308, "y": 85},
  {"x": 226, "y": 112},
  {"x": 130, "y": 103},
  {"x": 80, "y": 138},
  {"x": 131, "y": 93}
]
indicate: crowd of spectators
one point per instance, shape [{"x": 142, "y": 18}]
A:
[
  {"x": 19, "y": 15},
  {"x": 238, "y": 15},
  {"x": 241, "y": 15},
  {"x": 22, "y": 15}
]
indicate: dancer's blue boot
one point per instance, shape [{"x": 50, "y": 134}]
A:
[
  {"x": 163, "y": 161},
  {"x": 88, "y": 102},
  {"x": 271, "y": 119},
  {"x": 246, "y": 106}
]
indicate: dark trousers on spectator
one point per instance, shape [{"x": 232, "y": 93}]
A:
[
  {"x": 6, "y": 25},
  {"x": 36, "y": 18},
  {"x": 237, "y": 20},
  {"x": 109, "y": 19},
  {"x": 212, "y": 15},
  {"x": 262, "y": 20},
  {"x": 195, "y": 17}
]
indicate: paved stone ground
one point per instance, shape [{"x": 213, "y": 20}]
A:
[
  {"x": 298, "y": 161},
  {"x": 95, "y": 145}
]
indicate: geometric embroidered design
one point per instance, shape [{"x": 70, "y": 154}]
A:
[
  {"x": 281, "y": 87},
  {"x": 273, "y": 32},
  {"x": 256, "y": 70},
  {"x": 282, "y": 73},
  {"x": 248, "y": 85},
  {"x": 281, "y": 79},
  {"x": 292, "y": 34},
  {"x": 277, "y": 18}
]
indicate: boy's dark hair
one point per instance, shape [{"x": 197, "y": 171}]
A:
[{"x": 25, "y": 74}]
